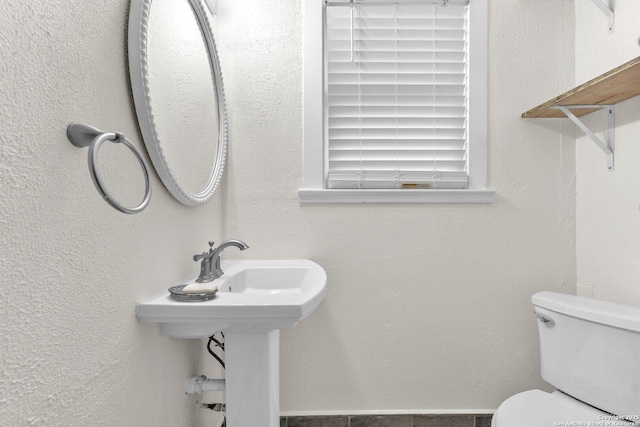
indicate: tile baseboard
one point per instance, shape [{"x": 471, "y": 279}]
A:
[{"x": 440, "y": 420}]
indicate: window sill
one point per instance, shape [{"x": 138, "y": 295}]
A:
[{"x": 306, "y": 195}]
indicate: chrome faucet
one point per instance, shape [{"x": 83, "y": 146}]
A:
[{"x": 210, "y": 266}]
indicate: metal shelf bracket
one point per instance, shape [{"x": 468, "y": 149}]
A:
[
  {"x": 608, "y": 12},
  {"x": 608, "y": 146}
]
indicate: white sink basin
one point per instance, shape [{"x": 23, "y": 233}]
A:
[{"x": 254, "y": 296}]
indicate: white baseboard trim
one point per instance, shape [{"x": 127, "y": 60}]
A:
[{"x": 388, "y": 412}]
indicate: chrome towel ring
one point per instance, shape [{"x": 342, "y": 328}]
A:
[{"x": 87, "y": 136}]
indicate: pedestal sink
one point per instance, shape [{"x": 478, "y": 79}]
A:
[{"x": 256, "y": 299}]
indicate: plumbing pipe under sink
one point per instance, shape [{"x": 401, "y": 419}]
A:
[{"x": 198, "y": 384}]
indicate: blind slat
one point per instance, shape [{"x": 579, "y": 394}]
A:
[
  {"x": 396, "y": 122},
  {"x": 380, "y": 144},
  {"x": 396, "y": 111},
  {"x": 407, "y": 134},
  {"x": 417, "y": 67},
  {"x": 399, "y": 155},
  {"x": 416, "y": 165},
  {"x": 402, "y": 101}
]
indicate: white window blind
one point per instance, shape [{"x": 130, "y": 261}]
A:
[{"x": 396, "y": 95}]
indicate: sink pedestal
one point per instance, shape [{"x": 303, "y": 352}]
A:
[{"x": 252, "y": 378}]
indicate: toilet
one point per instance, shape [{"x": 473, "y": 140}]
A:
[{"x": 590, "y": 352}]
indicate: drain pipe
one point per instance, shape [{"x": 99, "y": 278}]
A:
[{"x": 198, "y": 384}]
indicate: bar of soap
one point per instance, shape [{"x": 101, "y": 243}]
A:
[{"x": 200, "y": 288}]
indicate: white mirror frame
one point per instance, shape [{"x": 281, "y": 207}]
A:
[{"x": 138, "y": 68}]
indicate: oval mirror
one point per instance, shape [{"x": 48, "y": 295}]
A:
[{"x": 178, "y": 95}]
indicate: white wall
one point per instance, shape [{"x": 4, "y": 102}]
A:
[
  {"x": 72, "y": 352},
  {"x": 608, "y": 218},
  {"x": 428, "y": 306}
]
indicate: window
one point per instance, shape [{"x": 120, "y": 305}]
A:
[{"x": 395, "y": 101}]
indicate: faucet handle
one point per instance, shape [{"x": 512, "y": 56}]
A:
[
  {"x": 198, "y": 257},
  {"x": 203, "y": 255}
]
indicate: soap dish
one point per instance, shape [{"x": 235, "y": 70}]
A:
[{"x": 178, "y": 295}]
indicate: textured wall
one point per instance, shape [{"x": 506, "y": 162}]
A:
[
  {"x": 428, "y": 306},
  {"x": 72, "y": 352},
  {"x": 608, "y": 218}
]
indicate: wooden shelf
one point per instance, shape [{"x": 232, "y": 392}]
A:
[{"x": 614, "y": 86}]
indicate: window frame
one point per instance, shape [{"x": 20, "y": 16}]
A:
[{"x": 314, "y": 190}]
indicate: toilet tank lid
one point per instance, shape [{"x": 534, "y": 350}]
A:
[{"x": 603, "y": 312}]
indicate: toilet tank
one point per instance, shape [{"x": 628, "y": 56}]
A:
[{"x": 590, "y": 350}]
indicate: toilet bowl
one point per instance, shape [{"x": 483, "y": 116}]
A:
[
  {"x": 536, "y": 408},
  {"x": 590, "y": 352}
]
